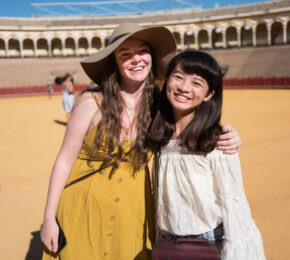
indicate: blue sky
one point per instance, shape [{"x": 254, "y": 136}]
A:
[{"x": 21, "y": 8}]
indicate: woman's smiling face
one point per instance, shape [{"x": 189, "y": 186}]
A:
[
  {"x": 134, "y": 61},
  {"x": 186, "y": 92}
]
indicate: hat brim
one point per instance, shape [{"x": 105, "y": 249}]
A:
[{"x": 162, "y": 44}]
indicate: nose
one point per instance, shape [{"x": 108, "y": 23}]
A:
[
  {"x": 136, "y": 58},
  {"x": 184, "y": 86}
]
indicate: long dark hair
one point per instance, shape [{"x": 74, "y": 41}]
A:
[
  {"x": 199, "y": 136},
  {"x": 109, "y": 127}
]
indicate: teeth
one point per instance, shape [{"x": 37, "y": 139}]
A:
[
  {"x": 137, "y": 68},
  {"x": 181, "y": 97}
]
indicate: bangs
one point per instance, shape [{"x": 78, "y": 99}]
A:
[{"x": 199, "y": 63}]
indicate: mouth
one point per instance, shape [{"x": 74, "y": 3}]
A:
[
  {"x": 138, "y": 68},
  {"x": 181, "y": 98}
]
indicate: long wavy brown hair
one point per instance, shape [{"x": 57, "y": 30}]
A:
[{"x": 109, "y": 127}]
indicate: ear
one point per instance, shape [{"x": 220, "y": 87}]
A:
[{"x": 209, "y": 96}]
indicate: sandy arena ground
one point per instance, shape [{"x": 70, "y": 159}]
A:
[{"x": 30, "y": 139}]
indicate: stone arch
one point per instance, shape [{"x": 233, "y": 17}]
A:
[
  {"x": 246, "y": 36},
  {"x": 276, "y": 33},
  {"x": 232, "y": 37},
  {"x": 189, "y": 40},
  {"x": 217, "y": 38},
  {"x": 28, "y": 48},
  {"x": 178, "y": 40},
  {"x": 70, "y": 47},
  {"x": 42, "y": 48},
  {"x": 288, "y": 32},
  {"x": 96, "y": 45},
  {"x": 203, "y": 39},
  {"x": 83, "y": 46},
  {"x": 14, "y": 48},
  {"x": 56, "y": 47},
  {"x": 261, "y": 34},
  {"x": 2, "y": 48}
]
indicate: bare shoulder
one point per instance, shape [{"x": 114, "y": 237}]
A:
[{"x": 87, "y": 100}]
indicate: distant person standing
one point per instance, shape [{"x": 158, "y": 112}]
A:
[
  {"x": 68, "y": 97},
  {"x": 49, "y": 89}
]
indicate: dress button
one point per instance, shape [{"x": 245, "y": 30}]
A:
[
  {"x": 110, "y": 234},
  {"x": 106, "y": 253},
  {"x": 120, "y": 180},
  {"x": 117, "y": 199},
  {"x": 113, "y": 218}
]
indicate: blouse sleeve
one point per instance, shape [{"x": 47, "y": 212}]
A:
[{"x": 242, "y": 239}]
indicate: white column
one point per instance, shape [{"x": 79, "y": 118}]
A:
[
  {"x": 35, "y": 48},
  {"x": 89, "y": 45},
  {"x": 49, "y": 48},
  {"x": 21, "y": 48},
  {"x": 196, "y": 40},
  {"x": 6, "y": 48},
  {"x": 254, "y": 35},
  {"x": 182, "y": 40},
  {"x": 102, "y": 43},
  {"x": 209, "y": 38},
  {"x": 224, "y": 39},
  {"x": 284, "y": 32},
  {"x": 77, "y": 47},
  {"x": 239, "y": 37},
  {"x": 63, "y": 47},
  {"x": 269, "y": 33}
]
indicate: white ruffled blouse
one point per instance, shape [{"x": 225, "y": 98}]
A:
[{"x": 196, "y": 193}]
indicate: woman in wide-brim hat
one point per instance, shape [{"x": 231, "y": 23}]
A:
[
  {"x": 109, "y": 215},
  {"x": 100, "y": 188}
]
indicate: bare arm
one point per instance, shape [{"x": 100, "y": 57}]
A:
[
  {"x": 230, "y": 141},
  {"x": 77, "y": 127}
]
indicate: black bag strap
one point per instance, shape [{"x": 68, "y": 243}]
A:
[{"x": 90, "y": 174}]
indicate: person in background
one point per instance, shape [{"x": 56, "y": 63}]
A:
[
  {"x": 49, "y": 89},
  {"x": 68, "y": 98},
  {"x": 200, "y": 191}
]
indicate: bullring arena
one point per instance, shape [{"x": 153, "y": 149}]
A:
[{"x": 251, "y": 42}]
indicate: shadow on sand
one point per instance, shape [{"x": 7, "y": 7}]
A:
[
  {"x": 35, "y": 247},
  {"x": 60, "y": 122}
]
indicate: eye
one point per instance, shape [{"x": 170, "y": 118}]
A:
[
  {"x": 177, "y": 76},
  {"x": 144, "y": 50}
]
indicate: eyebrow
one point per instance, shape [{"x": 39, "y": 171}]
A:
[{"x": 178, "y": 71}]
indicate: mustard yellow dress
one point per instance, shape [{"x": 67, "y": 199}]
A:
[{"x": 106, "y": 216}]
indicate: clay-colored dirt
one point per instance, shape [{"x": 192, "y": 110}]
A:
[{"x": 30, "y": 139}]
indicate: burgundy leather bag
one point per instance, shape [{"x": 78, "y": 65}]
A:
[{"x": 187, "y": 249}]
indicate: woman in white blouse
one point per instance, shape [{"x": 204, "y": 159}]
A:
[{"x": 200, "y": 191}]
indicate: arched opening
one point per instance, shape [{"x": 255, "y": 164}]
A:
[
  {"x": 42, "y": 48},
  {"x": 276, "y": 33},
  {"x": 56, "y": 48},
  {"x": 69, "y": 49},
  {"x": 2, "y": 48},
  {"x": 96, "y": 45},
  {"x": 232, "y": 37},
  {"x": 217, "y": 38},
  {"x": 28, "y": 49},
  {"x": 178, "y": 40},
  {"x": 203, "y": 39},
  {"x": 288, "y": 32},
  {"x": 261, "y": 35},
  {"x": 246, "y": 36},
  {"x": 189, "y": 40},
  {"x": 13, "y": 48},
  {"x": 83, "y": 46}
]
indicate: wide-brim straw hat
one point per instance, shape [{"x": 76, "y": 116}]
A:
[{"x": 160, "y": 40}]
